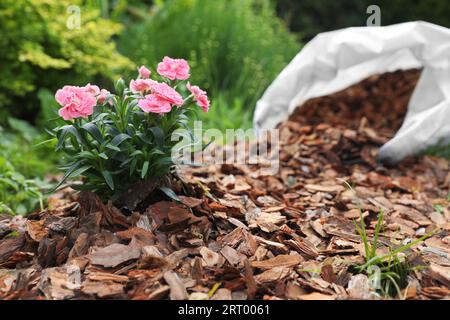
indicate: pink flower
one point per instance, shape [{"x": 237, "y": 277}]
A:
[
  {"x": 166, "y": 92},
  {"x": 92, "y": 89},
  {"x": 200, "y": 96},
  {"x": 76, "y": 102},
  {"x": 155, "y": 104},
  {"x": 101, "y": 98},
  {"x": 140, "y": 85},
  {"x": 174, "y": 68},
  {"x": 144, "y": 73},
  {"x": 203, "y": 102}
]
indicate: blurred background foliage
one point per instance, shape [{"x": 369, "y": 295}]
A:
[
  {"x": 41, "y": 51},
  {"x": 309, "y": 17},
  {"x": 235, "y": 48}
]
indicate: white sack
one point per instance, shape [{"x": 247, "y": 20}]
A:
[{"x": 333, "y": 61}]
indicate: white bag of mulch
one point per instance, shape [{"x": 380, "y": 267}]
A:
[{"x": 335, "y": 60}]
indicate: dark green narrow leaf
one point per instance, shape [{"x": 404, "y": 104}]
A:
[
  {"x": 93, "y": 131},
  {"x": 165, "y": 161},
  {"x": 69, "y": 171},
  {"x": 169, "y": 192},
  {"x": 109, "y": 181},
  {"x": 133, "y": 166},
  {"x": 110, "y": 146},
  {"x": 119, "y": 139},
  {"x": 103, "y": 155},
  {"x": 144, "y": 169},
  {"x": 61, "y": 134},
  {"x": 159, "y": 136}
]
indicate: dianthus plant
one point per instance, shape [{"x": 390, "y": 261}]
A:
[{"x": 114, "y": 140}]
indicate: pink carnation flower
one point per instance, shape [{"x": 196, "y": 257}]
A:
[
  {"x": 92, "y": 89},
  {"x": 76, "y": 102},
  {"x": 144, "y": 73},
  {"x": 200, "y": 96},
  {"x": 101, "y": 98},
  {"x": 174, "y": 69},
  {"x": 141, "y": 85},
  {"x": 166, "y": 92},
  {"x": 155, "y": 104}
]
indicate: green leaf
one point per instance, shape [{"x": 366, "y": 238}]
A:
[
  {"x": 112, "y": 147},
  {"x": 103, "y": 156},
  {"x": 65, "y": 130},
  {"x": 158, "y": 134},
  {"x": 144, "y": 138},
  {"x": 135, "y": 153},
  {"x": 376, "y": 234},
  {"x": 166, "y": 161},
  {"x": 133, "y": 166},
  {"x": 144, "y": 169},
  {"x": 93, "y": 131},
  {"x": 108, "y": 178},
  {"x": 86, "y": 155},
  {"x": 119, "y": 139},
  {"x": 68, "y": 173},
  {"x": 170, "y": 193},
  {"x": 24, "y": 128}
]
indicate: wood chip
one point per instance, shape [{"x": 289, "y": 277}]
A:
[
  {"x": 114, "y": 255},
  {"x": 278, "y": 261}
]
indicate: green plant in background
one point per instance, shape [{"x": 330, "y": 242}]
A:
[
  {"x": 18, "y": 195},
  {"x": 235, "y": 48},
  {"x": 228, "y": 114},
  {"x": 22, "y": 168},
  {"x": 310, "y": 17},
  {"x": 124, "y": 11},
  {"x": 42, "y": 47},
  {"x": 21, "y": 146},
  {"x": 440, "y": 150}
]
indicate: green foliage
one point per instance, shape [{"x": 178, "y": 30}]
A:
[
  {"x": 235, "y": 48},
  {"x": 120, "y": 145},
  {"x": 390, "y": 269},
  {"x": 310, "y": 17},
  {"x": 125, "y": 11},
  {"x": 440, "y": 150},
  {"x": 225, "y": 114},
  {"x": 22, "y": 167},
  {"x": 39, "y": 50},
  {"x": 19, "y": 145},
  {"x": 18, "y": 195}
]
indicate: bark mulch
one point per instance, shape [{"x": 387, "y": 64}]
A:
[{"x": 241, "y": 234}]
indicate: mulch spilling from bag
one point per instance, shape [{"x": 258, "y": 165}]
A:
[{"x": 244, "y": 235}]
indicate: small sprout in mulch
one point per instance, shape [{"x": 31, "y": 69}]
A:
[
  {"x": 388, "y": 272},
  {"x": 439, "y": 208}
]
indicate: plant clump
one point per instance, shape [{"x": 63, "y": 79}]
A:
[{"x": 116, "y": 140}]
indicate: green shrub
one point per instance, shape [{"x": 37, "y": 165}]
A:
[
  {"x": 18, "y": 195},
  {"x": 39, "y": 50},
  {"x": 20, "y": 146},
  {"x": 235, "y": 47},
  {"x": 22, "y": 168}
]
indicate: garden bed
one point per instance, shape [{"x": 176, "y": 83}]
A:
[{"x": 242, "y": 235}]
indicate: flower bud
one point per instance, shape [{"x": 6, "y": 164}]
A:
[{"x": 120, "y": 87}]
